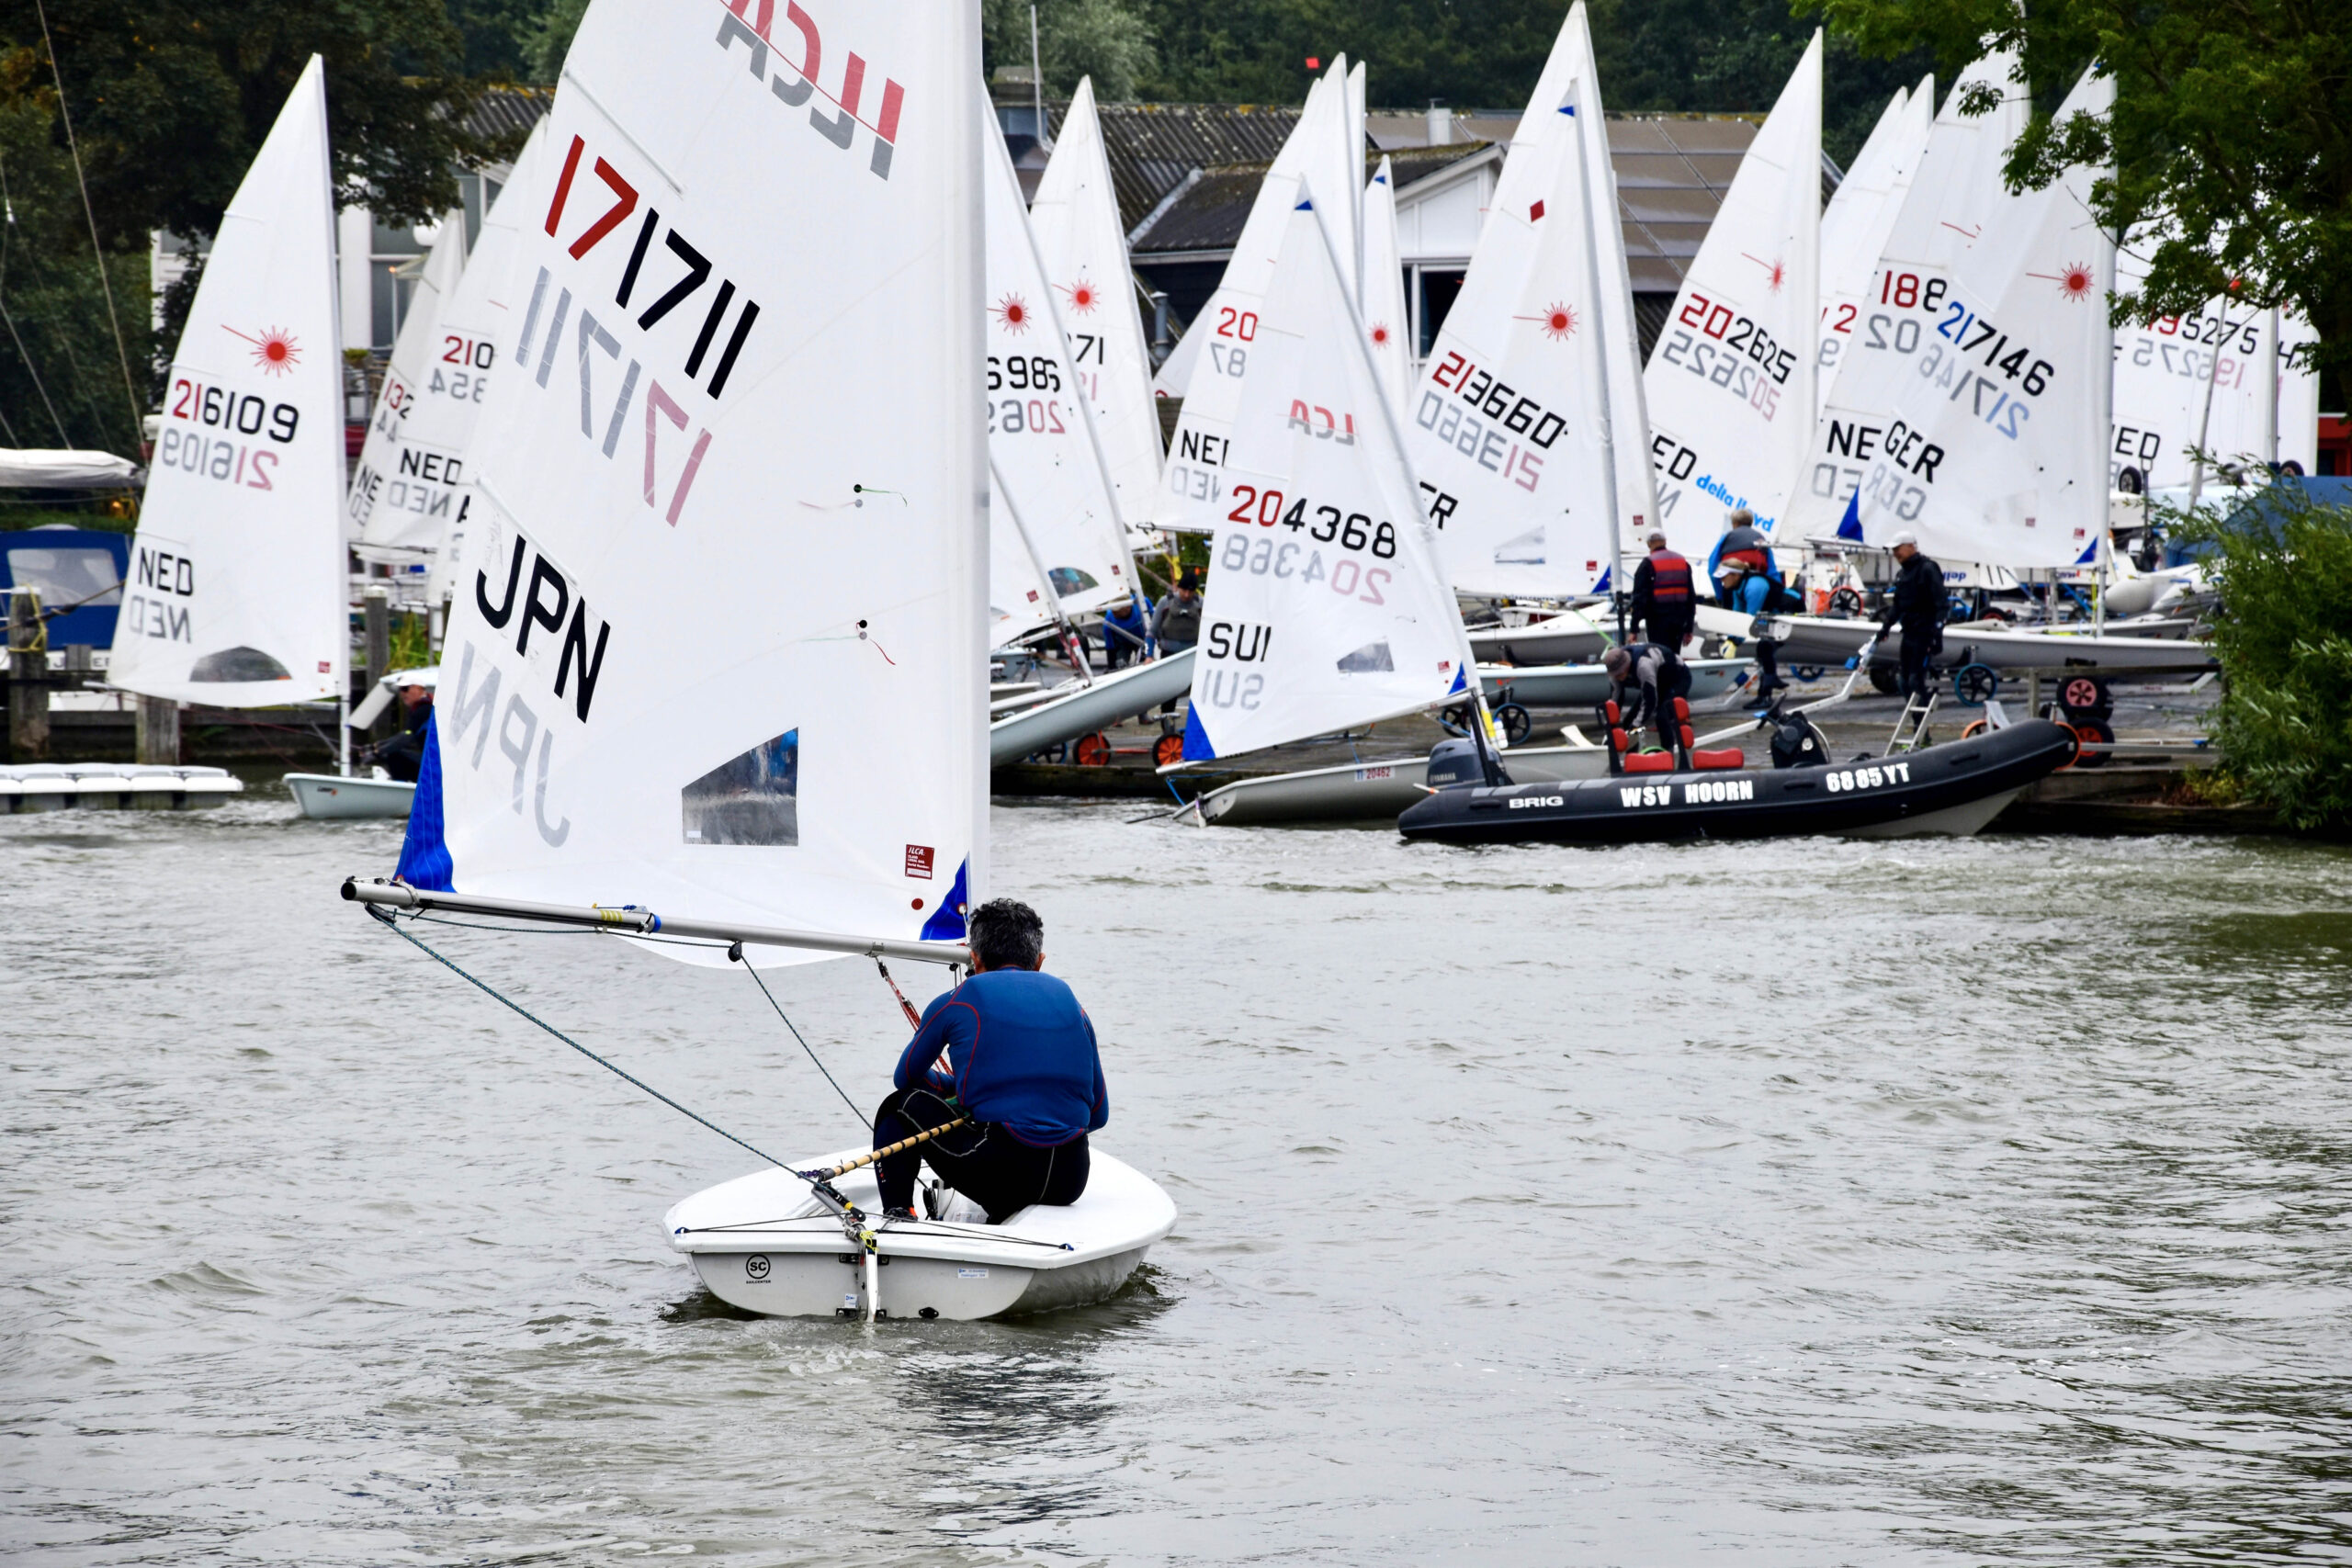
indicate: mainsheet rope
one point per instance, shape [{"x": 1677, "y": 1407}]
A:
[{"x": 385, "y": 917}]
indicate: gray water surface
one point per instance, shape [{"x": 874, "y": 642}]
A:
[{"x": 1808, "y": 1202}]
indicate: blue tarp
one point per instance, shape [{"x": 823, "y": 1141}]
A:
[{"x": 70, "y": 565}]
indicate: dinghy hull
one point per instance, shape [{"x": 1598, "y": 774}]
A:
[
  {"x": 331, "y": 797},
  {"x": 761, "y": 1243},
  {"x": 1955, "y": 788}
]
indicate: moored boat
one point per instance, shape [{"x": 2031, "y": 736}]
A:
[{"x": 1952, "y": 789}]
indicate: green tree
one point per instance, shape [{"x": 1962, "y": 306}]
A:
[
  {"x": 2229, "y": 141},
  {"x": 2283, "y": 634},
  {"x": 1106, "y": 39}
]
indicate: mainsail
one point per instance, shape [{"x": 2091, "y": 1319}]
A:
[
  {"x": 1507, "y": 429},
  {"x": 1730, "y": 383},
  {"x": 1386, "y": 321},
  {"x": 1207, "y": 367},
  {"x": 1861, "y": 214},
  {"x": 1974, "y": 414},
  {"x": 1041, "y": 435},
  {"x": 723, "y": 650},
  {"x": 1942, "y": 218},
  {"x": 399, "y": 500},
  {"x": 2218, "y": 379},
  {"x": 411, "y": 490},
  {"x": 1325, "y": 607},
  {"x": 1074, "y": 220},
  {"x": 237, "y": 596}
]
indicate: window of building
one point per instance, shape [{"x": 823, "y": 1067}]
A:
[{"x": 1434, "y": 291}]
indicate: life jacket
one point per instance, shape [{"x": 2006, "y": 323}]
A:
[{"x": 1669, "y": 580}]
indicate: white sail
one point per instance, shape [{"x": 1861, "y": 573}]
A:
[
  {"x": 1041, "y": 433},
  {"x": 1621, "y": 341},
  {"x": 1352, "y": 259},
  {"x": 1506, "y": 433},
  {"x": 724, "y": 649},
  {"x": 237, "y": 596},
  {"x": 1386, "y": 321},
  {"x": 482, "y": 319},
  {"x": 1861, "y": 215},
  {"x": 2207, "y": 379},
  {"x": 1325, "y": 607},
  {"x": 390, "y": 510},
  {"x": 1981, "y": 423},
  {"x": 1219, "y": 344},
  {"x": 1730, "y": 382},
  {"x": 1075, "y": 218},
  {"x": 1941, "y": 221}
]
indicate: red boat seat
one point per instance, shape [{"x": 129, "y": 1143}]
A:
[
  {"x": 1620, "y": 741},
  {"x": 1649, "y": 763},
  {"x": 1732, "y": 759}
]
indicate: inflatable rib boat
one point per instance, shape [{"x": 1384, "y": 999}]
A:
[{"x": 1951, "y": 789}]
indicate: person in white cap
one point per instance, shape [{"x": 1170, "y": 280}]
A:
[{"x": 1915, "y": 601}]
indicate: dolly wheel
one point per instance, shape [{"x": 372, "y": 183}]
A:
[
  {"x": 1807, "y": 672},
  {"x": 1517, "y": 722},
  {"x": 1976, "y": 726},
  {"x": 1973, "y": 685},
  {"x": 2091, "y": 732},
  {"x": 1092, "y": 751},
  {"x": 1168, "y": 750},
  {"x": 1886, "y": 679},
  {"x": 1844, "y": 604}
]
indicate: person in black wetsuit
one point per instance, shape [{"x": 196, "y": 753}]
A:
[
  {"x": 1646, "y": 678},
  {"x": 1022, "y": 1064},
  {"x": 403, "y": 755},
  {"x": 1916, "y": 602}
]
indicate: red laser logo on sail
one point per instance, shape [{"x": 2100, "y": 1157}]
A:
[
  {"x": 1012, "y": 312},
  {"x": 1380, "y": 334},
  {"x": 1081, "y": 296},
  {"x": 1557, "y": 321},
  {"x": 275, "y": 351},
  {"x": 2075, "y": 280},
  {"x": 1775, "y": 271}
]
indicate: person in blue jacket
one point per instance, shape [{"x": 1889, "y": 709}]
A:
[
  {"x": 1751, "y": 593},
  {"x": 1020, "y": 1061},
  {"x": 1126, "y": 631}
]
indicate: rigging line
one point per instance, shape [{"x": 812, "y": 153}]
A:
[
  {"x": 26, "y": 354},
  {"x": 914, "y": 1019},
  {"x": 385, "y": 918},
  {"x": 736, "y": 953},
  {"x": 98, "y": 252}
]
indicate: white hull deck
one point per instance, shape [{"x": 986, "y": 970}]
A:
[
  {"x": 1588, "y": 685},
  {"x": 113, "y": 786},
  {"x": 1810, "y": 639},
  {"x": 1369, "y": 791},
  {"x": 331, "y": 797},
  {"x": 1567, "y": 639},
  {"x": 762, "y": 1243}
]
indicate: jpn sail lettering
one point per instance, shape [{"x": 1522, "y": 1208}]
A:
[{"x": 749, "y": 22}]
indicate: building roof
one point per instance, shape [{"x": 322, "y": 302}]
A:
[
  {"x": 1203, "y": 213},
  {"x": 501, "y": 111},
  {"x": 1153, "y": 148}
]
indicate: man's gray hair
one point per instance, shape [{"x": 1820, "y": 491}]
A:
[
  {"x": 1742, "y": 518},
  {"x": 1005, "y": 934}
]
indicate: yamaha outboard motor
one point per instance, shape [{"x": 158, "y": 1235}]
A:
[
  {"x": 1455, "y": 763},
  {"x": 1797, "y": 742}
]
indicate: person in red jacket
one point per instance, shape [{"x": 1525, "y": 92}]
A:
[{"x": 1664, "y": 599}]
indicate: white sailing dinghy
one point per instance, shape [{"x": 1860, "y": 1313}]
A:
[
  {"x": 1861, "y": 214},
  {"x": 720, "y": 670},
  {"x": 1210, "y": 360},
  {"x": 411, "y": 493},
  {"x": 1057, "y": 545},
  {"x": 1729, "y": 385},
  {"x": 1974, "y": 413},
  {"x": 1075, "y": 222},
  {"x": 237, "y": 596}
]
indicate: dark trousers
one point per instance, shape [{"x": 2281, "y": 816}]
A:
[
  {"x": 983, "y": 1161},
  {"x": 1918, "y": 648},
  {"x": 1768, "y": 661},
  {"x": 1670, "y": 628}
]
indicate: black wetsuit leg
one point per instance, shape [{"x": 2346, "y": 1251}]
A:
[{"x": 984, "y": 1162}]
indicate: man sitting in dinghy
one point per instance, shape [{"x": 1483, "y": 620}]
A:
[{"x": 1021, "y": 1063}]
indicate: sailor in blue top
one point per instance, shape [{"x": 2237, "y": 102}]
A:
[{"x": 1019, "y": 1059}]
